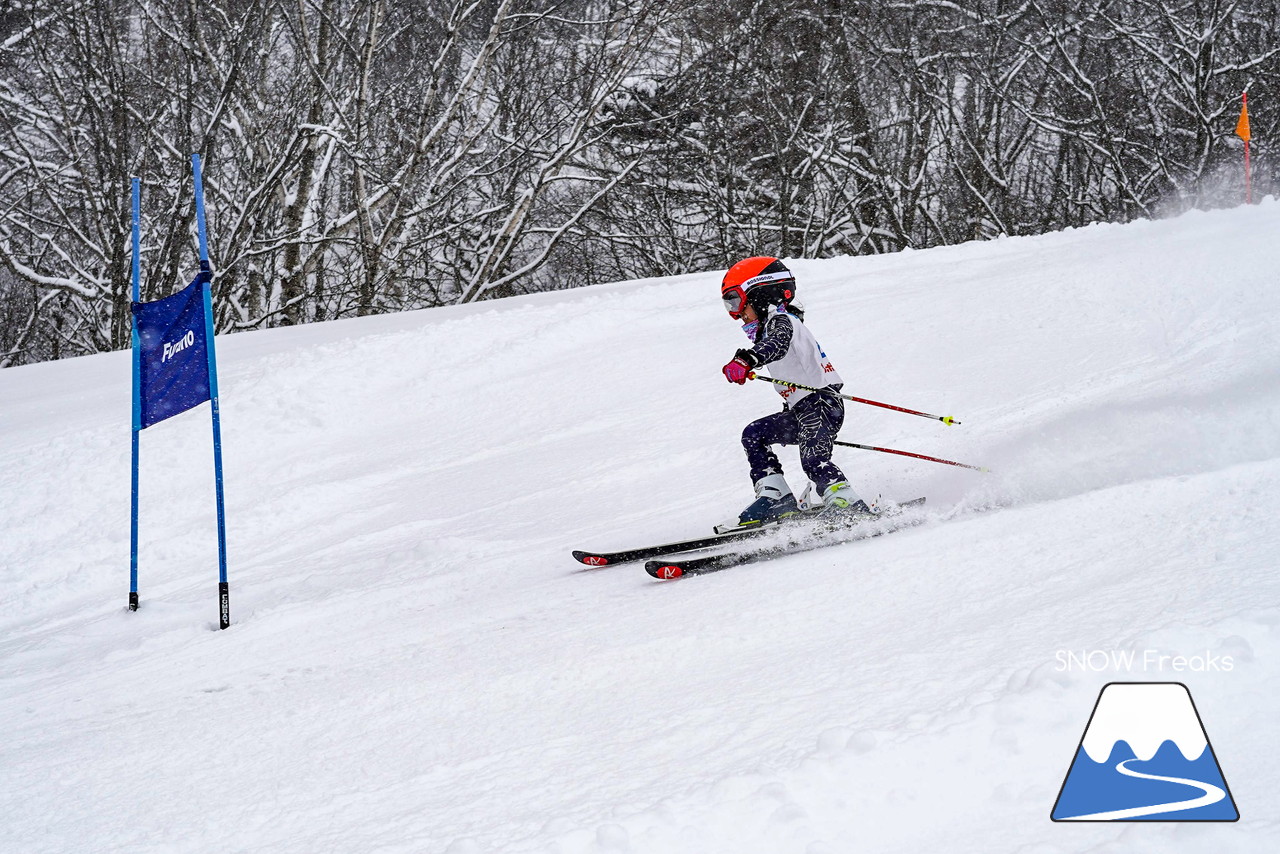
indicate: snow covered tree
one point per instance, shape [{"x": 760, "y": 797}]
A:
[{"x": 366, "y": 156}]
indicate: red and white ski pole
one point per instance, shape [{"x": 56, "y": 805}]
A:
[
  {"x": 945, "y": 419},
  {"x": 909, "y": 454}
]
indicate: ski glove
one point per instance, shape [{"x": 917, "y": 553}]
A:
[{"x": 743, "y": 362}]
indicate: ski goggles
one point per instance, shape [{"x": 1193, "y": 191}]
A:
[
  {"x": 735, "y": 300},
  {"x": 735, "y": 296}
]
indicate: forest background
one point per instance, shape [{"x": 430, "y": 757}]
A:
[{"x": 371, "y": 156}]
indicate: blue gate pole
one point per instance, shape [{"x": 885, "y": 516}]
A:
[
  {"x": 200, "y": 232},
  {"x": 137, "y": 401},
  {"x": 224, "y": 591}
]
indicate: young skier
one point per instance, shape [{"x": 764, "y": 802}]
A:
[{"x": 760, "y": 292}]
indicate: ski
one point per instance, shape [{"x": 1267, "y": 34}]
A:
[
  {"x": 862, "y": 529},
  {"x": 710, "y": 541},
  {"x": 598, "y": 559}
]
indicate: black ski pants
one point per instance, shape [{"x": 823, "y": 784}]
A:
[{"x": 812, "y": 423}]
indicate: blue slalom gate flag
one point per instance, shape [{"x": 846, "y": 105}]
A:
[
  {"x": 174, "y": 354},
  {"x": 174, "y": 369}
]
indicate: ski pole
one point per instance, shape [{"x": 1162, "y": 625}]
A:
[
  {"x": 945, "y": 419},
  {"x": 909, "y": 454}
]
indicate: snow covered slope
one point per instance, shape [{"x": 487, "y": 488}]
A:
[{"x": 416, "y": 664}]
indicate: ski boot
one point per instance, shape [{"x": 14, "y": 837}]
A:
[
  {"x": 774, "y": 501},
  {"x": 840, "y": 501}
]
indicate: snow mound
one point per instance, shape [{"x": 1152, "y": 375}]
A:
[{"x": 415, "y": 663}]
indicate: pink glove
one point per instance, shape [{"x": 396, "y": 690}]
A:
[{"x": 736, "y": 371}]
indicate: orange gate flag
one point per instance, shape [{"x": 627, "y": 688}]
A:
[
  {"x": 1242, "y": 126},
  {"x": 1242, "y": 131}
]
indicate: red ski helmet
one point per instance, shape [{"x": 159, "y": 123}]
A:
[{"x": 760, "y": 281}]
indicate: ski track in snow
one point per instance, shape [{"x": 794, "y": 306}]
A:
[
  {"x": 417, "y": 665},
  {"x": 1210, "y": 794}
]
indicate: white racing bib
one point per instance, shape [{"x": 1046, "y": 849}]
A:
[{"x": 804, "y": 363}]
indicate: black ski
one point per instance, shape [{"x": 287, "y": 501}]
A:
[
  {"x": 707, "y": 542},
  {"x": 710, "y": 541},
  {"x": 788, "y": 542}
]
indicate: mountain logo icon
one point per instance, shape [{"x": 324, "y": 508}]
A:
[{"x": 1145, "y": 756}]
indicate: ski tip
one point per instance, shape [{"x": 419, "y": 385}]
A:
[
  {"x": 664, "y": 571},
  {"x": 591, "y": 558}
]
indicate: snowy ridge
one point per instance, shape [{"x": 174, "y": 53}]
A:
[
  {"x": 1144, "y": 716},
  {"x": 416, "y": 664}
]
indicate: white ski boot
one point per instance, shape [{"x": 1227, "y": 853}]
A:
[
  {"x": 839, "y": 498},
  {"x": 774, "y": 501}
]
